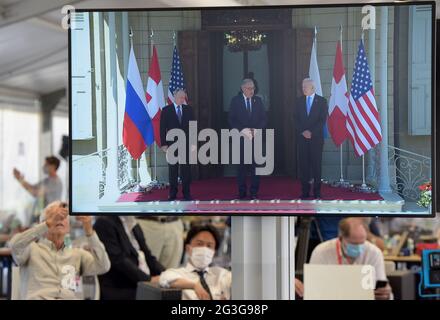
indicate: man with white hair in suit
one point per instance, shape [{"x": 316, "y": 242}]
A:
[{"x": 48, "y": 268}]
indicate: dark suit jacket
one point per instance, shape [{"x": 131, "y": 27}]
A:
[
  {"x": 239, "y": 117},
  {"x": 315, "y": 120},
  {"x": 169, "y": 120},
  {"x": 121, "y": 281}
]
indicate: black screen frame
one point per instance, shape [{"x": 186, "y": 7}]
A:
[{"x": 435, "y": 116}]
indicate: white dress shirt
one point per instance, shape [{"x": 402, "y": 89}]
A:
[{"x": 219, "y": 281}]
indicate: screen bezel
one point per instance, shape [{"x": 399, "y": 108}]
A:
[{"x": 434, "y": 114}]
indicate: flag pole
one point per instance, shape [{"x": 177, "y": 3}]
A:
[
  {"x": 364, "y": 187},
  {"x": 155, "y": 182},
  {"x": 314, "y": 38},
  {"x": 341, "y": 180},
  {"x": 341, "y": 183},
  {"x": 137, "y": 161}
]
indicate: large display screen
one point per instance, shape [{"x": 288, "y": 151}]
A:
[{"x": 279, "y": 110}]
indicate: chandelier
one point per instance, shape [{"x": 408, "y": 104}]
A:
[{"x": 244, "y": 40}]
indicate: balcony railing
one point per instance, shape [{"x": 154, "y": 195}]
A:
[{"x": 408, "y": 170}]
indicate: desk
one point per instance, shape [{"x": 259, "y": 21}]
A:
[
  {"x": 6, "y": 264},
  {"x": 413, "y": 258}
]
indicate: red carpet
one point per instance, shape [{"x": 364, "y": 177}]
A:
[{"x": 283, "y": 188}]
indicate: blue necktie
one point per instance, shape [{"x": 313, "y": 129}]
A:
[
  {"x": 248, "y": 105},
  {"x": 179, "y": 114},
  {"x": 309, "y": 104}
]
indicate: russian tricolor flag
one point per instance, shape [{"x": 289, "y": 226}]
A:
[{"x": 137, "y": 131}]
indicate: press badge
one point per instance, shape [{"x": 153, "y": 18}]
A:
[{"x": 71, "y": 280}]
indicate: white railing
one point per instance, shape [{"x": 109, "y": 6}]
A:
[
  {"x": 408, "y": 170},
  {"x": 124, "y": 179}
]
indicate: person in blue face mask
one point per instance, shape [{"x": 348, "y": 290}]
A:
[{"x": 352, "y": 247}]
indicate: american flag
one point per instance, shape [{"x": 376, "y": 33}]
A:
[
  {"x": 177, "y": 81},
  {"x": 362, "y": 116}
]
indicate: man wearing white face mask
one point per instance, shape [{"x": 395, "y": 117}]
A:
[
  {"x": 198, "y": 280},
  {"x": 352, "y": 247}
]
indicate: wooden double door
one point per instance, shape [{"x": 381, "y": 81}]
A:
[{"x": 288, "y": 52}]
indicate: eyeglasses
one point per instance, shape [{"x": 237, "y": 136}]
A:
[{"x": 249, "y": 88}]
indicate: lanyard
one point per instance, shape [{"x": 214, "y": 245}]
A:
[{"x": 339, "y": 253}]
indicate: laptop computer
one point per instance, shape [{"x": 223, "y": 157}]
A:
[{"x": 338, "y": 282}]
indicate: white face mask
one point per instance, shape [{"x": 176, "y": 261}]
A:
[{"x": 201, "y": 257}]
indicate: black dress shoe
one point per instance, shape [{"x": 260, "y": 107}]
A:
[
  {"x": 242, "y": 196},
  {"x": 304, "y": 196},
  {"x": 171, "y": 198},
  {"x": 254, "y": 197},
  {"x": 187, "y": 198}
]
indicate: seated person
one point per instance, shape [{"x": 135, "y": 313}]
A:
[
  {"x": 198, "y": 280},
  {"x": 373, "y": 233},
  {"x": 48, "y": 269},
  {"x": 130, "y": 257},
  {"x": 351, "y": 247}
]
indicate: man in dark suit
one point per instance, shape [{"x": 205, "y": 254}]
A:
[
  {"x": 310, "y": 116},
  {"x": 130, "y": 257},
  {"x": 247, "y": 113},
  {"x": 177, "y": 116}
]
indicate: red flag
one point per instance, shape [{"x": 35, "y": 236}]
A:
[
  {"x": 338, "y": 106},
  {"x": 155, "y": 97}
]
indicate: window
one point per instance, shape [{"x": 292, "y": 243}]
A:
[{"x": 419, "y": 77}]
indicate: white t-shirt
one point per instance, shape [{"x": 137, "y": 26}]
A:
[
  {"x": 219, "y": 281},
  {"x": 327, "y": 253}
]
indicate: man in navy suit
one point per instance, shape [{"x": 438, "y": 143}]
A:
[
  {"x": 177, "y": 116},
  {"x": 310, "y": 116},
  {"x": 247, "y": 113}
]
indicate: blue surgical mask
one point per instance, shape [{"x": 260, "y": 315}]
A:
[{"x": 354, "y": 250}]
